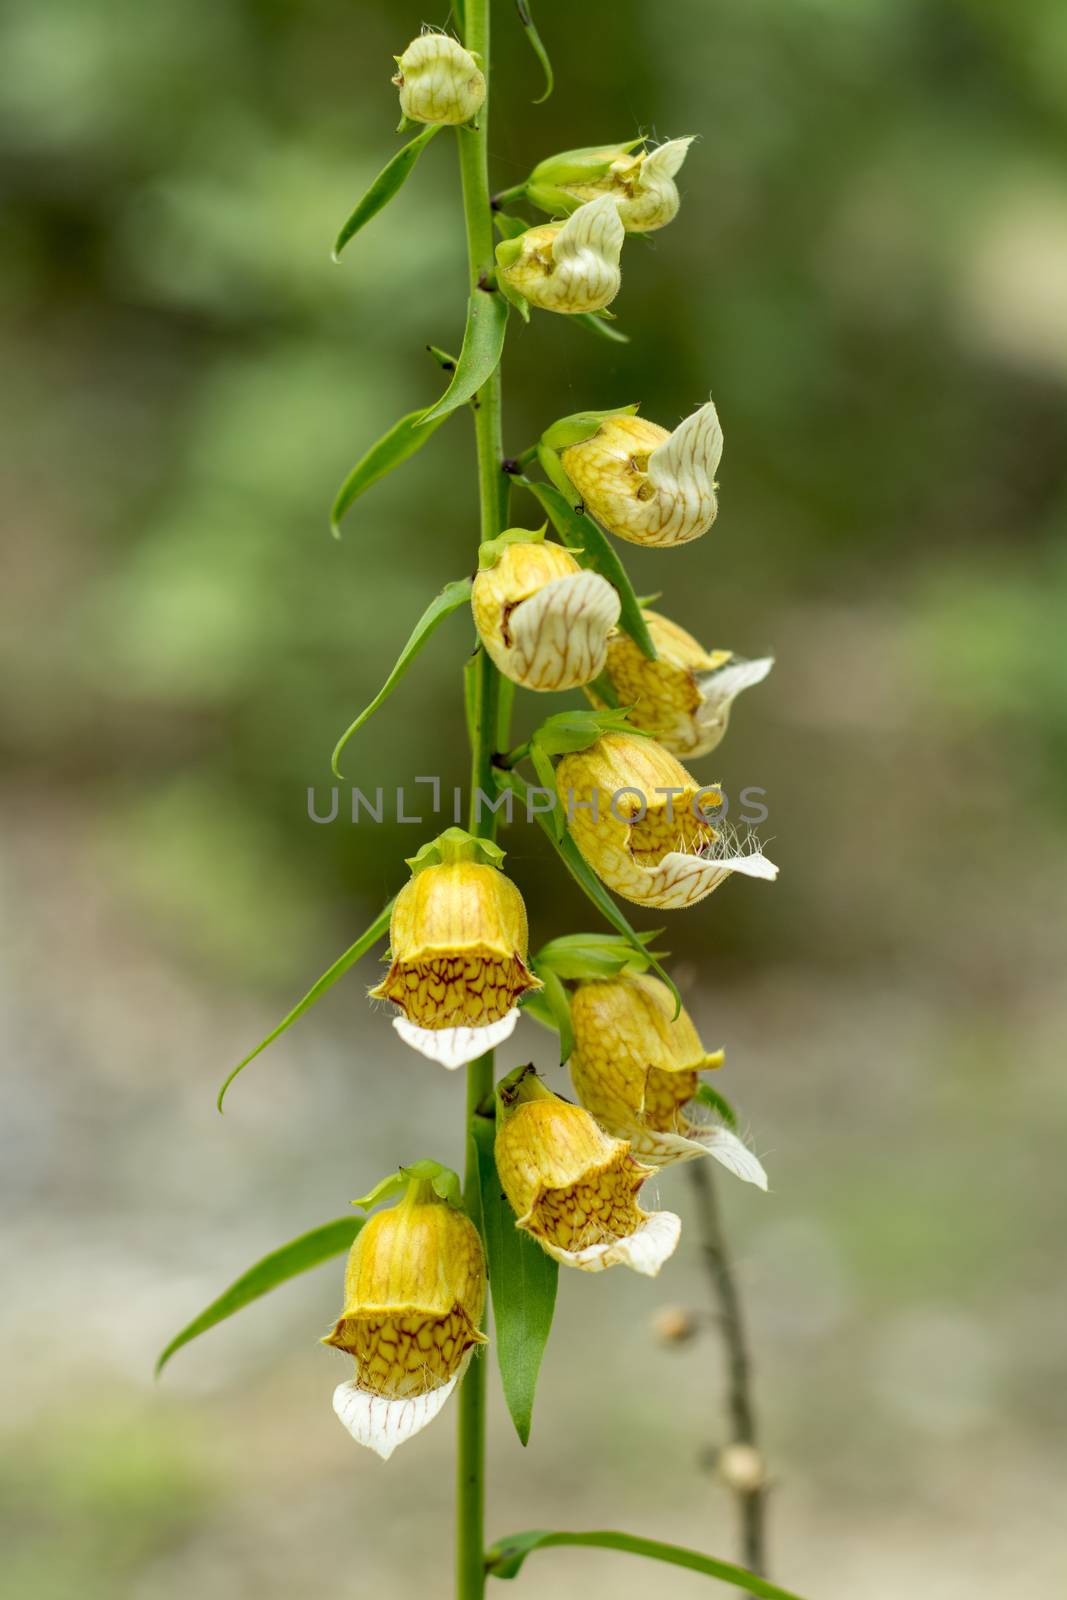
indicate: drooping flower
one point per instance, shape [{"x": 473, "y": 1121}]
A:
[
  {"x": 458, "y": 947},
  {"x": 640, "y": 820},
  {"x": 572, "y": 1187},
  {"x": 571, "y": 266},
  {"x": 646, "y": 485},
  {"x": 414, "y": 1297},
  {"x": 683, "y": 698},
  {"x": 635, "y": 1066},
  {"x": 642, "y": 181},
  {"x": 438, "y": 80},
  {"x": 543, "y": 619}
]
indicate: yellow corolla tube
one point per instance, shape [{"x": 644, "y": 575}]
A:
[
  {"x": 414, "y": 1297},
  {"x": 646, "y": 485},
  {"x": 635, "y": 1066},
  {"x": 572, "y": 1187},
  {"x": 439, "y": 81},
  {"x": 571, "y": 266},
  {"x": 458, "y": 948},
  {"x": 641, "y": 181},
  {"x": 544, "y": 620},
  {"x": 683, "y": 697},
  {"x": 639, "y": 819}
]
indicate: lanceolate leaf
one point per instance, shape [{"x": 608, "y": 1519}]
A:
[
  {"x": 385, "y": 185},
  {"x": 505, "y": 1558},
  {"x": 593, "y": 549},
  {"x": 378, "y": 927},
  {"x": 590, "y": 884},
  {"x": 522, "y": 1281},
  {"x": 560, "y": 1008},
  {"x": 598, "y": 325},
  {"x": 538, "y": 49},
  {"x": 451, "y": 597},
  {"x": 321, "y": 1244},
  {"x": 393, "y": 448},
  {"x": 483, "y": 343}
]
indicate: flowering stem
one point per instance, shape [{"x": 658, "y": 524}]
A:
[
  {"x": 490, "y": 712},
  {"x": 751, "y": 1500}
]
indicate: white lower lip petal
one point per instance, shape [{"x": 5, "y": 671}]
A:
[{"x": 455, "y": 1047}]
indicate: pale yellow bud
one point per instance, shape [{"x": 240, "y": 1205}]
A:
[
  {"x": 414, "y": 1298},
  {"x": 683, "y": 698},
  {"x": 638, "y": 818},
  {"x": 645, "y": 484},
  {"x": 439, "y": 81},
  {"x": 573, "y": 1188},
  {"x": 641, "y": 182},
  {"x": 458, "y": 948},
  {"x": 742, "y": 1468},
  {"x": 571, "y": 266},
  {"x": 543, "y": 619}
]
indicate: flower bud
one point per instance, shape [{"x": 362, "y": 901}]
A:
[
  {"x": 414, "y": 1297},
  {"x": 641, "y": 182},
  {"x": 572, "y": 1188},
  {"x": 634, "y": 1065},
  {"x": 571, "y": 266},
  {"x": 543, "y": 619},
  {"x": 645, "y": 484},
  {"x": 458, "y": 946},
  {"x": 438, "y": 80},
  {"x": 639, "y": 819},
  {"x": 683, "y": 698}
]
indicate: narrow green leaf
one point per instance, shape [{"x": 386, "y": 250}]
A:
[
  {"x": 718, "y": 1102},
  {"x": 320, "y": 1244},
  {"x": 522, "y": 1282},
  {"x": 593, "y": 549},
  {"x": 546, "y": 777},
  {"x": 505, "y": 1558},
  {"x": 538, "y": 49},
  {"x": 591, "y": 886},
  {"x": 483, "y": 344},
  {"x": 385, "y": 185},
  {"x": 560, "y": 1007},
  {"x": 534, "y": 1004},
  {"x": 604, "y": 690},
  {"x": 594, "y": 324},
  {"x": 378, "y": 927},
  {"x": 393, "y": 448},
  {"x": 451, "y": 597}
]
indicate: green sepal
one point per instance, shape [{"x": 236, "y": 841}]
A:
[
  {"x": 391, "y": 450},
  {"x": 491, "y": 550},
  {"x": 504, "y": 1559},
  {"x": 479, "y": 357},
  {"x": 567, "y": 731},
  {"x": 442, "y": 1180},
  {"x": 455, "y": 844},
  {"x": 513, "y": 297},
  {"x": 588, "y": 956},
  {"x": 595, "y": 322},
  {"x": 389, "y": 180},
  {"x": 718, "y": 1102},
  {"x": 580, "y": 426},
  {"x": 538, "y": 48},
  {"x": 509, "y": 250},
  {"x": 451, "y": 598},
  {"x": 509, "y": 227},
  {"x": 552, "y": 467},
  {"x": 584, "y": 165}
]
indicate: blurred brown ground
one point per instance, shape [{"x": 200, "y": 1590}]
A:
[{"x": 868, "y": 273}]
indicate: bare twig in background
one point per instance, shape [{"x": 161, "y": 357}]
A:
[{"x": 740, "y": 1462}]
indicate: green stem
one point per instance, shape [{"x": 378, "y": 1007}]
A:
[{"x": 492, "y": 497}]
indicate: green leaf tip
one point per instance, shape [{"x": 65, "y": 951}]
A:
[
  {"x": 391, "y": 178},
  {"x": 505, "y": 1558},
  {"x": 479, "y": 356},
  {"x": 403, "y": 439},
  {"x": 523, "y": 8}
]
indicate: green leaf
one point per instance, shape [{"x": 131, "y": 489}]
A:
[
  {"x": 594, "y": 324},
  {"x": 522, "y": 1282},
  {"x": 560, "y": 1007},
  {"x": 538, "y": 49},
  {"x": 718, "y": 1102},
  {"x": 451, "y": 598},
  {"x": 378, "y": 927},
  {"x": 320, "y": 1244},
  {"x": 505, "y": 1558},
  {"x": 391, "y": 450},
  {"x": 594, "y": 955},
  {"x": 546, "y": 777},
  {"x": 592, "y": 548},
  {"x": 483, "y": 344},
  {"x": 591, "y": 886},
  {"x": 581, "y": 425},
  {"x": 385, "y": 185}
]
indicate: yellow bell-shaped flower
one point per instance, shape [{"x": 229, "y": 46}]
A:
[
  {"x": 439, "y": 81},
  {"x": 683, "y": 697},
  {"x": 634, "y": 1065},
  {"x": 646, "y": 485},
  {"x": 641, "y": 181},
  {"x": 414, "y": 1298},
  {"x": 573, "y": 1188},
  {"x": 571, "y": 266},
  {"x": 639, "y": 819},
  {"x": 458, "y": 946},
  {"x": 543, "y": 619}
]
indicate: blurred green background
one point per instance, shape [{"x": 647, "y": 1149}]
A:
[{"x": 870, "y": 273}]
